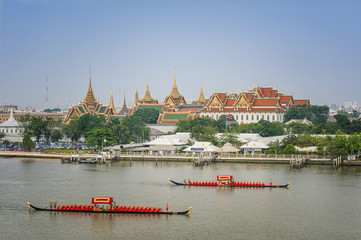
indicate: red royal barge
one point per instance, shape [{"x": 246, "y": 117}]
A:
[
  {"x": 105, "y": 205},
  {"x": 228, "y": 181}
]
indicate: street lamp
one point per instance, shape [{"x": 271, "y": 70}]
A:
[{"x": 105, "y": 143}]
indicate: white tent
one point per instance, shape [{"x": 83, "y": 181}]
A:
[
  {"x": 228, "y": 148},
  {"x": 172, "y": 140},
  {"x": 202, "y": 147},
  {"x": 254, "y": 146}
]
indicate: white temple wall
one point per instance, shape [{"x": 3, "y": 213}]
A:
[{"x": 247, "y": 117}]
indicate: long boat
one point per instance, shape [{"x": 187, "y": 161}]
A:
[
  {"x": 228, "y": 181},
  {"x": 110, "y": 208}
]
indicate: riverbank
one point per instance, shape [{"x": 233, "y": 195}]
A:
[{"x": 176, "y": 158}]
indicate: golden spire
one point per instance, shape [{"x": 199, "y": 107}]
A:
[
  {"x": 174, "y": 93},
  {"x": 201, "y": 99},
  {"x": 147, "y": 98},
  {"x": 136, "y": 98},
  {"x": 111, "y": 104},
  {"x": 90, "y": 99}
]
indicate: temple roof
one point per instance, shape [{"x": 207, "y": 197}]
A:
[{"x": 11, "y": 122}]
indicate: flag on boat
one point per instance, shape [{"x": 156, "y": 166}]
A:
[
  {"x": 102, "y": 200},
  {"x": 224, "y": 178},
  {"x": 229, "y": 116}
]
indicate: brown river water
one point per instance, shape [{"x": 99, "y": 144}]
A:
[{"x": 321, "y": 203}]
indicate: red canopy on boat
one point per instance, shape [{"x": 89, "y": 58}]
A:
[
  {"x": 224, "y": 178},
  {"x": 102, "y": 200}
]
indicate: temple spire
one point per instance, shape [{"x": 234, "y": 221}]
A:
[
  {"x": 175, "y": 83},
  {"x": 174, "y": 93},
  {"x": 111, "y": 104},
  {"x": 201, "y": 99},
  {"x": 147, "y": 97},
  {"x": 124, "y": 110},
  {"x": 90, "y": 99},
  {"x": 11, "y": 117},
  {"x": 136, "y": 98}
]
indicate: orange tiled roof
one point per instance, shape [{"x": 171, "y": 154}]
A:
[
  {"x": 265, "y": 102},
  {"x": 301, "y": 102}
]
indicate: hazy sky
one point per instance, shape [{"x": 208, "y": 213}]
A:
[{"x": 309, "y": 48}]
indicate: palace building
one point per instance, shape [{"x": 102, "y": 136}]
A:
[
  {"x": 249, "y": 107},
  {"x": 246, "y": 107},
  {"x": 90, "y": 105}
]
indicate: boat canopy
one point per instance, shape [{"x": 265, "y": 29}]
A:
[
  {"x": 102, "y": 200},
  {"x": 224, "y": 178}
]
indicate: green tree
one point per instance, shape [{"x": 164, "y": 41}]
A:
[
  {"x": 121, "y": 134},
  {"x": 343, "y": 123},
  {"x": 87, "y": 122},
  {"x": 250, "y": 128},
  {"x": 71, "y": 130},
  {"x": 298, "y": 112},
  {"x": 314, "y": 113},
  {"x": 355, "y": 126},
  {"x": 137, "y": 128},
  {"x": 229, "y": 137},
  {"x": 56, "y": 135},
  {"x": 269, "y": 129},
  {"x": 274, "y": 147},
  {"x": 96, "y": 137},
  {"x": 289, "y": 149},
  {"x": 300, "y": 128},
  {"x": 353, "y": 144},
  {"x": 147, "y": 115},
  {"x": 319, "y": 114},
  {"x": 28, "y": 144}
]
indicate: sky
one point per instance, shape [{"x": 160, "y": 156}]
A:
[{"x": 310, "y": 49}]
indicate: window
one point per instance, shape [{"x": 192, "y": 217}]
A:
[
  {"x": 247, "y": 117},
  {"x": 242, "y": 117},
  {"x": 252, "y": 117},
  {"x": 273, "y": 117},
  {"x": 267, "y": 118},
  {"x": 257, "y": 117}
]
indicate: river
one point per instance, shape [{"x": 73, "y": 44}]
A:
[{"x": 321, "y": 203}]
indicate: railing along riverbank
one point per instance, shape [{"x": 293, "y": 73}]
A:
[{"x": 188, "y": 157}]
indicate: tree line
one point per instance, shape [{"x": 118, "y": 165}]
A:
[{"x": 96, "y": 130}]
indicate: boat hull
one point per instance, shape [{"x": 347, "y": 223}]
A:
[
  {"x": 111, "y": 212},
  {"x": 231, "y": 185}
]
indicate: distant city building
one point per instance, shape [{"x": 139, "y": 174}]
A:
[
  {"x": 21, "y": 114},
  {"x": 350, "y": 104},
  {"x": 7, "y": 108},
  {"x": 333, "y": 106}
]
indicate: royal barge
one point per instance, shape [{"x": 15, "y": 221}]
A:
[
  {"x": 106, "y": 205},
  {"x": 228, "y": 181}
]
